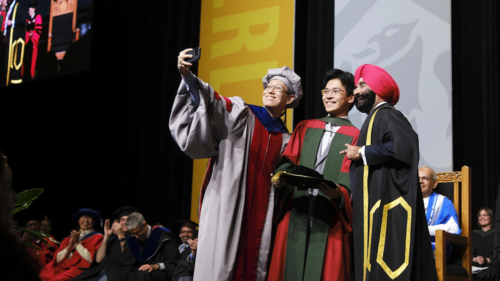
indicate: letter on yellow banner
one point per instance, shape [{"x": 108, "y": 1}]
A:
[{"x": 243, "y": 22}]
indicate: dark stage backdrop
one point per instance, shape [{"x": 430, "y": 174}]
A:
[
  {"x": 476, "y": 101},
  {"x": 100, "y": 139}
]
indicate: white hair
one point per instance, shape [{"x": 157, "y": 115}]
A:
[{"x": 134, "y": 220}]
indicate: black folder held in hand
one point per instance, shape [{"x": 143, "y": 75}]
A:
[{"x": 303, "y": 178}]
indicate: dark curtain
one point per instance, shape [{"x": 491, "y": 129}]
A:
[
  {"x": 100, "y": 139},
  {"x": 476, "y": 124},
  {"x": 314, "y": 27}
]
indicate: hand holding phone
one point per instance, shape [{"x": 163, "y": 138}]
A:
[
  {"x": 196, "y": 53},
  {"x": 185, "y": 59}
]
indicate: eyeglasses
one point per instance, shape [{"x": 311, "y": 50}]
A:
[
  {"x": 187, "y": 231},
  {"x": 335, "y": 91},
  {"x": 425, "y": 179},
  {"x": 483, "y": 215},
  {"x": 277, "y": 89}
]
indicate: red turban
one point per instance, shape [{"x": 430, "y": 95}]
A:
[{"x": 379, "y": 81}]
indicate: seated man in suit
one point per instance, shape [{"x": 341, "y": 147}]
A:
[
  {"x": 439, "y": 210},
  {"x": 150, "y": 253},
  {"x": 185, "y": 267}
]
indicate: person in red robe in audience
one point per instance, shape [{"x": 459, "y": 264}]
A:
[
  {"x": 76, "y": 252},
  {"x": 50, "y": 248},
  {"x": 33, "y": 32}
]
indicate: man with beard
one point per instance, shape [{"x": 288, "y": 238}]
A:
[
  {"x": 313, "y": 237},
  {"x": 391, "y": 239}
]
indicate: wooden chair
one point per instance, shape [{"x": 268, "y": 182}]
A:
[
  {"x": 62, "y": 26},
  {"x": 462, "y": 202}
]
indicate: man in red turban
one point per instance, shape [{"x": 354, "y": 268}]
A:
[{"x": 391, "y": 240}]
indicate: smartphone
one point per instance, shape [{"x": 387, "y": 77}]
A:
[{"x": 196, "y": 52}]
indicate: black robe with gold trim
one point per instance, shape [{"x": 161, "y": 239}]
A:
[{"x": 391, "y": 239}]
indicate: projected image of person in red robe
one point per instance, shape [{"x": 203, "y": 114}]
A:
[
  {"x": 33, "y": 32},
  {"x": 77, "y": 250}
]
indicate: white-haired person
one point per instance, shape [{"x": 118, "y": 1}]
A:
[{"x": 150, "y": 252}]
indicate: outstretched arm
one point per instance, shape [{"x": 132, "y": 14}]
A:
[{"x": 201, "y": 119}]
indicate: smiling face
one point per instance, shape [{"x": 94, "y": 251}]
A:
[
  {"x": 86, "y": 222},
  {"x": 274, "y": 100},
  {"x": 427, "y": 182},
  {"x": 123, "y": 221},
  {"x": 186, "y": 234},
  {"x": 336, "y": 103},
  {"x": 484, "y": 218}
]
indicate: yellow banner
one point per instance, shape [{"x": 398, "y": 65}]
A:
[{"x": 240, "y": 41}]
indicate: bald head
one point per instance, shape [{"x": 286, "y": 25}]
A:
[{"x": 428, "y": 180}]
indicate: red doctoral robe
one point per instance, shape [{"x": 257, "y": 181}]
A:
[
  {"x": 69, "y": 268},
  {"x": 47, "y": 249},
  {"x": 35, "y": 26}
]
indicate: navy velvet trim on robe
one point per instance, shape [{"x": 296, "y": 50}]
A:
[
  {"x": 150, "y": 246},
  {"x": 89, "y": 235},
  {"x": 272, "y": 125}
]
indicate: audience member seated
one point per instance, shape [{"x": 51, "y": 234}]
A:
[
  {"x": 76, "y": 251},
  {"x": 48, "y": 248},
  {"x": 185, "y": 266},
  {"x": 15, "y": 263},
  {"x": 107, "y": 261},
  {"x": 27, "y": 238},
  {"x": 483, "y": 246},
  {"x": 151, "y": 253},
  {"x": 46, "y": 226},
  {"x": 439, "y": 210},
  {"x": 33, "y": 225}
]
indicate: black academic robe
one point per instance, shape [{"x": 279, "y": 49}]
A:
[
  {"x": 185, "y": 267},
  {"x": 391, "y": 238},
  {"x": 482, "y": 245},
  {"x": 496, "y": 239},
  {"x": 110, "y": 263},
  {"x": 160, "y": 247}
]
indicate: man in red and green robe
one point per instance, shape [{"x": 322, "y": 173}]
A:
[{"x": 313, "y": 236}]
